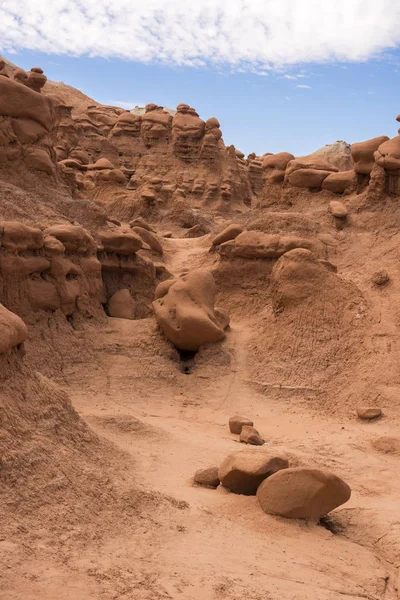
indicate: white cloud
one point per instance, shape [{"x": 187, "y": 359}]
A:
[
  {"x": 124, "y": 104},
  {"x": 299, "y": 76},
  {"x": 305, "y": 87},
  {"x": 247, "y": 34}
]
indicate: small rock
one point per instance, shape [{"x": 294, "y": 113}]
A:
[
  {"x": 338, "y": 209},
  {"x": 302, "y": 493},
  {"x": 207, "y": 477},
  {"x": 243, "y": 472},
  {"x": 236, "y": 423},
  {"x": 249, "y": 435},
  {"x": 167, "y": 234},
  {"x": 368, "y": 413},
  {"x": 380, "y": 277}
]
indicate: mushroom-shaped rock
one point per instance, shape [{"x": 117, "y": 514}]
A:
[
  {"x": 207, "y": 477},
  {"x": 338, "y": 183},
  {"x": 149, "y": 238},
  {"x": 121, "y": 305},
  {"x": 388, "y": 154},
  {"x": 302, "y": 493},
  {"x": 120, "y": 242},
  {"x": 237, "y": 422},
  {"x": 36, "y": 79},
  {"x": 250, "y": 435},
  {"x": 186, "y": 312},
  {"x": 338, "y": 209},
  {"x": 13, "y": 330},
  {"x": 243, "y": 472},
  {"x": 229, "y": 233},
  {"x": 367, "y": 414},
  {"x": 363, "y": 154}
]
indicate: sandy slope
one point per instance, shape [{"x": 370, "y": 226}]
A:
[{"x": 215, "y": 544}]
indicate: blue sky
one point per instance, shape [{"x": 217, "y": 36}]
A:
[{"x": 280, "y": 75}]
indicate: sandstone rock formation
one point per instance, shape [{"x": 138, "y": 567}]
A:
[
  {"x": 243, "y": 472},
  {"x": 237, "y": 422},
  {"x": 302, "y": 493},
  {"x": 250, "y": 435},
  {"x": 207, "y": 477},
  {"x": 308, "y": 172},
  {"x": 256, "y": 244},
  {"x": 367, "y": 414},
  {"x": 185, "y": 311},
  {"x": 13, "y": 330},
  {"x": 363, "y": 154},
  {"x": 229, "y": 233},
  {"x": 274, "y": 166},
  {"x": 121, "y": 305}
]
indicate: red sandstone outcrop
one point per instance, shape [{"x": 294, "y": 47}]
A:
[
  {"x": 308, "y": 172},
  {"x": 363, "y": 154},
  {"x": 185, "y": 311}
]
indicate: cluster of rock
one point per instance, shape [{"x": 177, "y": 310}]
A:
[
  {"x": 244, "y": 427},
  {"x": 63, "y": 268},
  {"x": 296, "y": 493},
  {"x": 338, "y": 168},
  {"x": 158, "y": 157}
]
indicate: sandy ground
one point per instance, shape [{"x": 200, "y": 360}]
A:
[{"x": 214, "y": 544}]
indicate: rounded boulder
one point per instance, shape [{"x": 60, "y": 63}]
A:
[
  {"x": 243, "y": 472},
  {"x": 302, "y": 493}
]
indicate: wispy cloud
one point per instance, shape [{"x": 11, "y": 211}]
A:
[
  {"x": 124, "y": 104},
  {"x": 247, "y": 34},
  {"x": 305, "y": 87},
  {"x": 294, "y": 77}
]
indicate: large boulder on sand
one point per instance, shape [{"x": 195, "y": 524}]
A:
[
  {"x": 302, "y": 493},
  {"x": 185, "y": 311},
  {"x": 243, "y": 472}
]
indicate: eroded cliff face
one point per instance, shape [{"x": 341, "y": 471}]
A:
[{"x": 73, "y": 175}]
